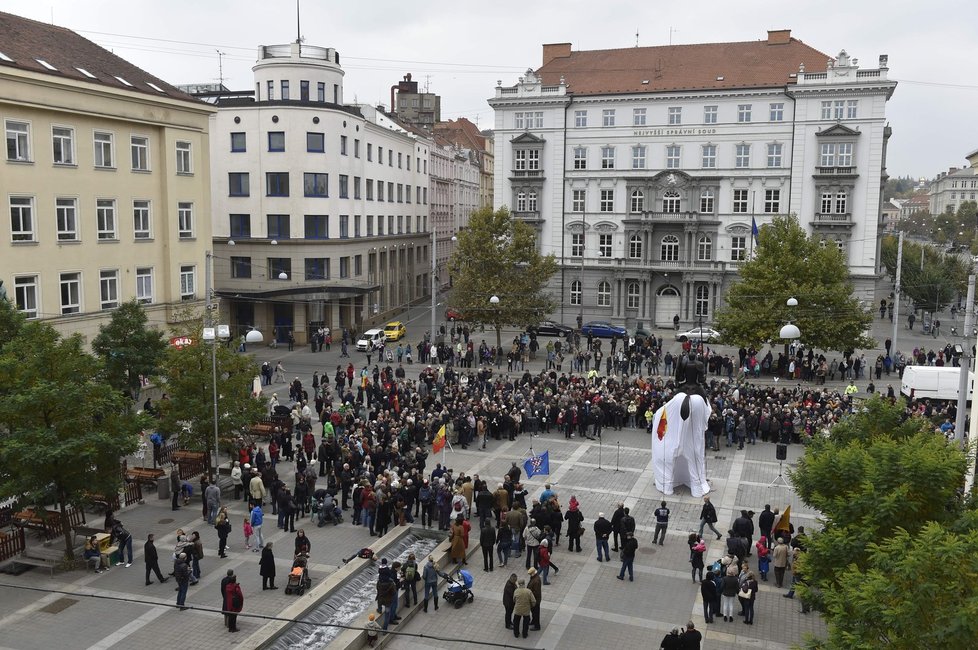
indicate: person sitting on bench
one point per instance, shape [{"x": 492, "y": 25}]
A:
[{"x": 93, "y": 551}]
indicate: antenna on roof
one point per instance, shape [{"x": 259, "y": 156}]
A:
[
  {"x": 671, "y": 30},
  {"x": 636, "y": 37},
  {"x": 427, "y": 82},
  {"x": 220, "y": 67},
  {"x": 298, "y": 24}
]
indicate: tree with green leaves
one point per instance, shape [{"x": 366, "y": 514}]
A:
[
  {"x": 887, "y": 489},
  {"x": 128, "y": 348},
  {"x": 932, "y": 285},
  {"x": 187, "y": 376},
  {"x": 497, "y": 255},
  {"x": 64, "y": 428},
  {"x": 789, "y": 263}
]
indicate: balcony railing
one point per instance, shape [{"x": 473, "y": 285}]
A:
[
  {"x": 527, "y": 173},
  {"x": 832, "y": 219},
  {"x": 835, "y": 171}
]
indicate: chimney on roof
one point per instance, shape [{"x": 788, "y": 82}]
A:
[
  {"x": 778, "y": 36},
  {"x": 553, "y": 51}
]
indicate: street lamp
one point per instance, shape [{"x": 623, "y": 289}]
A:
[
  {"x": 789, "y": 332},
  {"x": 494, "y": 301}
]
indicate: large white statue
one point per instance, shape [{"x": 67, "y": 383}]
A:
[{"x": 679, "y": 432}]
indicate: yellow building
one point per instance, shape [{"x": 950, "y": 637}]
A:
[{"x": 106, "y": 182}]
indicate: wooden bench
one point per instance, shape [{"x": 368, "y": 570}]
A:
[
  {"x": 50, "y": 565},
  {"x": 145, "y": 475},
  {"x": 263, "y": 430}
]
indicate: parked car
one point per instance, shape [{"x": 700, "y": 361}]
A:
[
  {"x": 370, "y": 339},
  {"x": 453, "y": 314},
  {"x": 642, "y": 333},
  {"x": 395, "y": 330},
  {"x": 602, "y": 329},
  {"x": 699, "y": 334},
  {"x": 550, "y": 328}
]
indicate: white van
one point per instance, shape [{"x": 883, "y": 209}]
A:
[
  {"x": 934, "y": 382},
  {"x": 370, "y": 340}
]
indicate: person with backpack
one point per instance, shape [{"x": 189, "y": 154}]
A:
[
  {"x": 233, "y": 603},
  {"x": 410, "y": 575},
  {"x": 426, "y": 497},
  {"x": 430, "y": 576}
]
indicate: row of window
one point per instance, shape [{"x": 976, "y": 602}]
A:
[
  {"x": 63, "y": 145},
  {"x": 669, "y": 248},
  {"x": 25, "y": 223},
  {"x": 673, "y": 158},
  {"x": 830, "y": 110},
  {"x": 27, "y": 290},
  {"x": 316, "y": 185},
  {"x": 316, "y": 143},
  {"x": 964, "y": 184},
  {"x": 671, "y": 201},
  {"x": 304, "y": 91},
  {"x": 316, "y": 268},
  {"x": 633, "y": 296},
  {"x": 316, "y": 226}
]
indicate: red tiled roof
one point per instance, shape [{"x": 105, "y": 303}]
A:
[
  {"x": 25, "y": 40},
  {"x": 462, "y": 132},
  {"x": 752, "y": 64}
]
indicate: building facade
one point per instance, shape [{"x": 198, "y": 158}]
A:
[
  {"x": 643, "y": 169},
  {"x": 414, "y": 106},
  {"x": 951, "y": 189},
  {"x": 320, "y": 210},
  {"x": 465, "y": 135},
  {"x": 106, "y": 177}
]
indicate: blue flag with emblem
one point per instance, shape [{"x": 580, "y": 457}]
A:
[{"x": 537, "y": 465}]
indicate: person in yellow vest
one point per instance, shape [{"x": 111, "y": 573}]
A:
[{"x": 851, "y": 388}]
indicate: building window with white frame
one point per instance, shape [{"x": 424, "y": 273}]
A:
[
  {"x": 852, "y": 109},
  {"x": 184, "y": 158},
  {"x": 18, "y": 141},
  {"x": 707, "y": 202},
  {"x": 607, "y": 203},
  {"x": 702, "y": 301},
  {"x": 772, "y": 201},
  {"x": 826, "y": 203},
  {"x": 675, "y": 115},
  {"x": 518, "y": 120},
  {"x": 608, "y": 117},
  {"x": 105, "y": 219},
  {"x": 520, "y": 157},
  {"x": 777, "y": 112},
  {"x": 26, "y": 295},
  {"x": 531, "y": 201},
  {"x": 740, "y": 201},
  {"x": 521, "y": 201},
  {"x": 673, "y": 153},
  {"x": 66, "y": 214},
  {"x": 580, "y": 119},
  {"x": 108, "y": 289},
  {"x": 635, "y": 245},
  {"x": 631, "y": 295},
  {"x": 144, "y": 285},
  {"x": 604, "y": 294},
  {"x": 669, "y": 249},
  {"x": 841, "y": 203},
  {"x": 704, "y": 249},
  {"x": 70, "y": 284},
  {"x": 580, "y": 158},
  {"x": 139, "y": 147},
  {"x": 604, "y": 246},
  {"x": 738, "y": 248},
  {"x": 141, "y": 220},
  {"x": 575, "y": 292},
  {"x": 577, "y": 244},
  {"x": 188, "y": 282},
  {"x": 709, "y": 156},
  {"x": 710, "y": 114},
  {"x": 185, "y": 220},
  {"x": 743, "y": 112},
  {"x": 535, "y": 119},
  {"x": 533, "y": 159},
  {"x": 742, "y": 159},
  {"x": 774, "y": 150},
  {"x": 671, "y": 201},
  {"x": 22, "y": 218},
  {"x": 826, "y": 110},
  {"x": 636, "y": 201},
  {"x": 638, "y": 116},
  {"x": 578, "y": 200},
  {"x": 826, "y": 156},
  {"x": 844, "y": 154},
  {"x": 103, "y": 150},
  {"x": 63, "y": 143},
  {"x": 638, "y": 157},
  {"x": 838, "y": 109},
  {"x": 607, "y": 157}
]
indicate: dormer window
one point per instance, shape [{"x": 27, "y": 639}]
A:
[{"x": 46, "y": 65}]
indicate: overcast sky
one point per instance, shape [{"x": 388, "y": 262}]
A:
[{"x": 460, "y": 49}]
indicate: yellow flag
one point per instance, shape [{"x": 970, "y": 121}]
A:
[{"x": 439, "y": 442}]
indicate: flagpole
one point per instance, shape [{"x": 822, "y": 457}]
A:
[{"x": 753, "y": 225}]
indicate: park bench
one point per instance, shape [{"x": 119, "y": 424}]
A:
[{"x": 145, "y": 475}]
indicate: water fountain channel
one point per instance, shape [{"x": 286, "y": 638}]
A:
[{"x": 348, "y": 602}]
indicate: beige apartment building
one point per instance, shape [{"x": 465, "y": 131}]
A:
[{"x": 106, "y": 182}]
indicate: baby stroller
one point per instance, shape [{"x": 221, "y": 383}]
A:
[
  {"x": 299, "y": 579},
  {"x": 325, "y": 510},
  {"x": 459, "y": 588}
]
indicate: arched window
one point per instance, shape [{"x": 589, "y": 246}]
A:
[
  {"x": 635, "y": 247},
  {"x": 521, "y": 202},
  {"x": 604, "y": 294},
  {"x": 670, "y": 249},
  {"x": 703, "y": 300},
  {"x": 531, "y": 201},
  {"x": 670, "y": 201},
  {"x": 637, "y": 203},
  {"x": 706, "y": 202},
  {"x": 631, "y": 295},
  {"x": 704, "y": 249},
  {"x": 575, "y": 292}
]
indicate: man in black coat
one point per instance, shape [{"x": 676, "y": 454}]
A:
[
  {"x": 616, "y": 524},
  {"x": 708, "y": 517},
  {"x": 692, "y": 638},
  {"x": 765, "y": 521},
  {"x": 152, "y": 559},
  {"x": 744, "y": 527},
  {"x": 225, "y": 581}
]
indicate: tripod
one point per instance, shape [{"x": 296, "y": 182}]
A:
[
  {"x": 780, "y": 477},
  {"x": 618, "y": 457},
  {"x": 599, "y": 468}
]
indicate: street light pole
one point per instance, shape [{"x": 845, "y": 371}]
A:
[
  {"x": 209, "y": 322},
  {"x": 434, "y": 281},
  {"x": 963, "y": 383}
]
